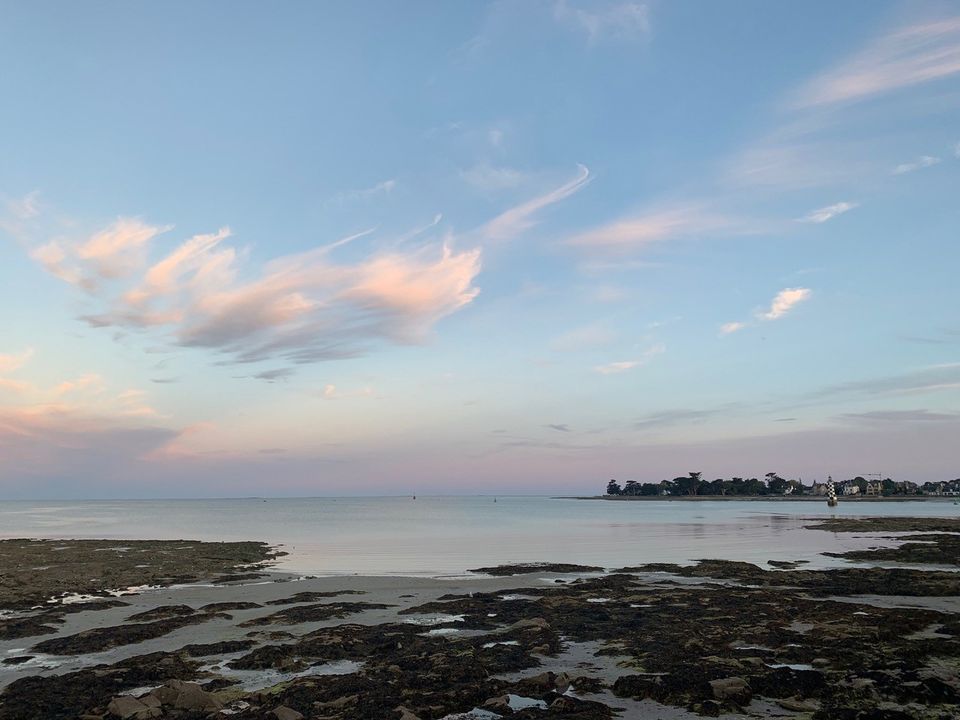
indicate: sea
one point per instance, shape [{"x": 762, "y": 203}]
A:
[{"x": 447, "y": 536}]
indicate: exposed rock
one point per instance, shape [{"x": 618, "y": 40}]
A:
[
  {"x": 129, "y": 708},
  {"x": 303, "y": 597},
  {"x": 89, "y": 567},
  {"x": 228, "y": 606},
  {"x": 734, "y": 690},
  {"x": 285, "y": 713},
  {"x": 313, "y": 613},
  {"x": 162, "y": 612},
  {"x": 98, "y": 639},
  {"x": 220, "y": 648},
  {"x": 527, "y": 568}
]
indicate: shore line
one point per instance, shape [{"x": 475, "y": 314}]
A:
[{"x": 754, "y": 498}]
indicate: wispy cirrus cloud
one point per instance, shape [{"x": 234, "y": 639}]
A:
[
  {"x": 822, "y": 215},
  {"x": 522, "y": 217},
  {"x": 633, "y": 233},
  {"x": 874, "y": 417},
  {"x": 615, "y": 20},
  {"x": 620, "y": 366},
  {"x": 910, "y": 56},
  {"x": 932, "y": 378},
  {"x": 384, "y": 188},
  {"x": 924, "y": 161}
]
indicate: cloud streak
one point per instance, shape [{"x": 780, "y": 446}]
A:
[
  {"x": 924, "y": 161},
  {"x": 829, "y": 212},
  {"x": 518, "y": 219},
  {"x": 623, "y": 20},
  {"x": 621, "y": 366},
  {"x": 907, "y": 57}
]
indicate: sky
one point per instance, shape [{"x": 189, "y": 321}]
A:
[{"x": 390, "y": 248}]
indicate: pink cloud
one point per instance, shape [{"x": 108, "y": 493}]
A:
[
  {"x": 302, "y": 308},
  {"x": 910, "y": 56}
]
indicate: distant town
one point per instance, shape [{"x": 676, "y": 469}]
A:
[{"x": 774, "y": 485}]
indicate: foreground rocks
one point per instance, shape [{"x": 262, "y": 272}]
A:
[
  {"x": 529, "y": 568},
  {"x": 924, "y": 540},
  {"x": 731, "y": 638},
  {"x": 35, "y": 571}
]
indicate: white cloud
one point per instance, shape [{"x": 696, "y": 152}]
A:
[
  {"x": 620, "y": 366},
  {"x": 924, "y": 161},
  {"x": 520, "y": 218},
  {"x": 617, "y": 367},
  {"x": 910, "y": 56},
  {"x": 332, "y": 392},
  {"x": 731, "y": 327},
  {"x": 785, "y": 300},
  {"x": 828, "y": 213},
  {"x": 619, "y": 20}
]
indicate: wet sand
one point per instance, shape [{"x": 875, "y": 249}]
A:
[{"x": 652, "y": 641}]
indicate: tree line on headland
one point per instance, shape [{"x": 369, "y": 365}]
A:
[{"x": 773, "y": 484}]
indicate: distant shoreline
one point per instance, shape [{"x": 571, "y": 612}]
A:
[{"x": 775, "y": 498}]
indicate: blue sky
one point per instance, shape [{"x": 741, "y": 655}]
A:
[{"x": 475, "y": 247}]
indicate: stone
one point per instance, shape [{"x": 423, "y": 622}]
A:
[
  {"x": 796, "y": 705},
  {"x": 129, "y": 708},
  {"x": 500, "y": 704},
  {"x": 285, "y": 713},
  {"x": 732, "y": 689},
  {"x": 186, "y": 696},
  {"x": 537, "y": 623}
]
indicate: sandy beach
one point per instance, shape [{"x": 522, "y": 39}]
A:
[{"x": 225, "y": 636}]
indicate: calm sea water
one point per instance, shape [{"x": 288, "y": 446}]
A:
[{"x": 448, "y": 535}]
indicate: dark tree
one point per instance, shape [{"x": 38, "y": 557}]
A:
[
  {"x": 776, "y": 484},
  {"x": 689, "y": 484},
  {"x": 613, "y": 488}
]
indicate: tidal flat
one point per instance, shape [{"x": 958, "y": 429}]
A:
[{"x": 186, "y": 629}]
